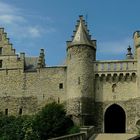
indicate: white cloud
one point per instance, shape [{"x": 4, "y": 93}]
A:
[
  {"x": 11, "y": 19},
  {"x": 10, "y": 14},
  {"x": 7, "y": 9},
  {"x": 19, "y": 24},
  {"x": 34, "y": 31}
]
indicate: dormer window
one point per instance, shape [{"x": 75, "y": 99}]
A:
[{"x": 0, "y": 50}]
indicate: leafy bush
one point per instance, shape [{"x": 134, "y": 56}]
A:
[
  {"x": 74, "y": 129},
  {"x": 50, "y": 122}
]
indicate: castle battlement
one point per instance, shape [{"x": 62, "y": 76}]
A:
[{"x": 115, "y": 66}]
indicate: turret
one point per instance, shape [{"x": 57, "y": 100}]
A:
[
  {"x": 129, "y": 54},
  {"x": 81, "y": 53},
  {"x": 41, "y": 60},
  {"x": 136, "y": 37}
]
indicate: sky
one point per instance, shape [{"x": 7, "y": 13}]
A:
[{"x": 48, "y": 24}]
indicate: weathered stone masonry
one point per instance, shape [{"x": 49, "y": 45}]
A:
[{"x": 87, "y": 86}]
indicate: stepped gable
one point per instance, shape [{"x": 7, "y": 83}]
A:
[{"x": 81, "y": 35}]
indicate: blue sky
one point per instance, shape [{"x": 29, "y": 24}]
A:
[{"x": 35, "y": 24}]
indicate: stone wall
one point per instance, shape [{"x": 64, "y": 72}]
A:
[
  {"x": 130, "y": 107},
  {"x": 8, "y": 58},
  {"x": 81, "y": 109},
  {"x": 18, "y": 105},
  {"x": 43, "y": 85},
  {"x": 116, "y": 87},
  {"x": 77, "y": 136},
  {"x": 121, "y": 89}
]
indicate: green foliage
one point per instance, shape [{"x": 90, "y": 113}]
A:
[
  {"x": 74, "y": 129},
  {"x": 50, "y": 122},
  {"x": 13, "y": 128}
]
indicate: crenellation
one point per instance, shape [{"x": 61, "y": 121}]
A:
[{"x": 111, "y": 66}]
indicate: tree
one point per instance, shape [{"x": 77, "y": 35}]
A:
[{"x": 52, "y": 121}]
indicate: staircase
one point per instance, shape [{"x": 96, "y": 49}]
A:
[{"x": 109, "y": 136}]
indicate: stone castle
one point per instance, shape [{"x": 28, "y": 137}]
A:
[{"x": 105, "y": 94}]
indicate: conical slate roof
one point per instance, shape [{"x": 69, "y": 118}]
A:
[{"x": 81, "y": 35}]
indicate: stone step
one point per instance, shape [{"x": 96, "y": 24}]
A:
[{"x": 110, "y": 136}]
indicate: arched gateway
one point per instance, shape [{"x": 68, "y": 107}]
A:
[{"x": 114, "y": 119}]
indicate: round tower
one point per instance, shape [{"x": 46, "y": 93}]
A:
[
  {"x": 136, "y": 37},
  {"x": 81, "y": 53}
]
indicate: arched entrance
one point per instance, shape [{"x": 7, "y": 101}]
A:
[{"x": 114, "y": 119}]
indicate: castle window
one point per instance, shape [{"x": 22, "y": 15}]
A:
[
  {"x": 121, "y": 66},
  {"x": 0, "y": 63},
  {"x": 79, "y": 80},
  {"x": 96, "y": 67},
  {"x": 58, "y": 100},
  {"x": 61, "y": 86},
  {"x": 0, "y": 50},
  {"x": 113, "y": 87},
  {"x": 20, "y": 111},
  {"x": 6, "y": 111},
  {"x": 70, "y": 56}
]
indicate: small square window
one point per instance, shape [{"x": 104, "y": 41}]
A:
[
  {"x": 61, "y": 86},
  {"x": 6, "y": 111}
]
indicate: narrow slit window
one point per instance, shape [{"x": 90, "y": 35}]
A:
[
  {"x": 96, "y": 67},
  {"x": 6, "y": 111},
  {"x": 79, "y": 80},
  {"x": 121, "y": 66},
  {"x": 0, "y": 63},
  {"x": 58, "y": 100},
  {"x": 70, "y": 56},
  {"x": 61, "y": 86},
  {"x": 0, "y": 50},
  {"x": 20, "y": 111}
]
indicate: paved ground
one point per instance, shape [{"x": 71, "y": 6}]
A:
[{"x": 112, "y": 136}]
